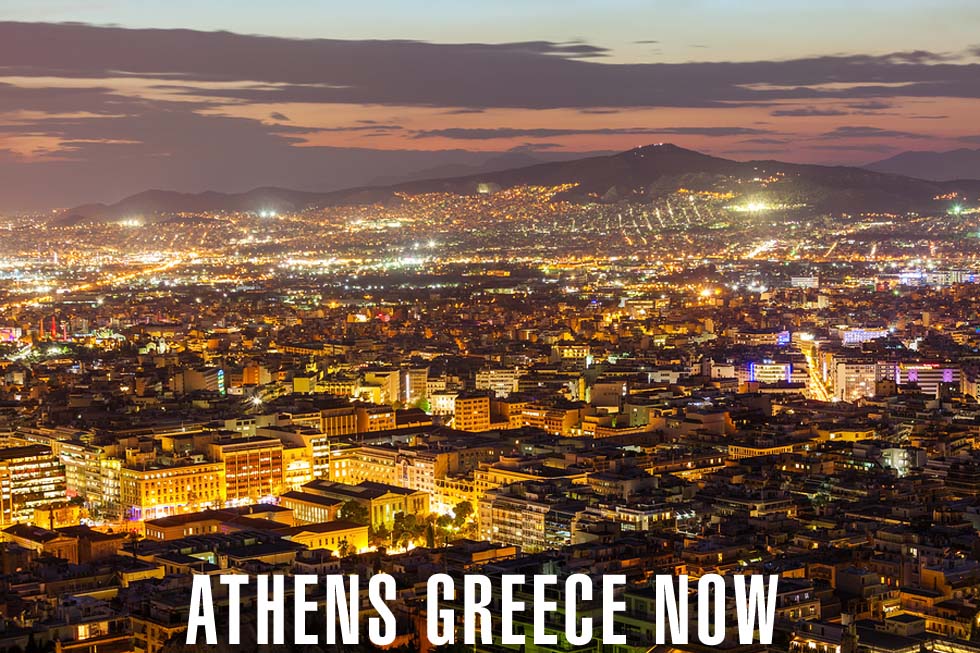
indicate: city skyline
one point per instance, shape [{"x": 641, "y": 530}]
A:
[{"x": 595, "y": 312}]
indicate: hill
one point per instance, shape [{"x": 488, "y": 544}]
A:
[
  {"x": 640, "y": 173},
  {"x": 938, "y": 166}
]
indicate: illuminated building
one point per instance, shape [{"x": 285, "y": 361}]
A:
[
  {"x": 297, "y": 466},
  {"x": 557, "y": 420},
  {"x": 304, "y": 383},
  {"x": 57, "y": 515},
  {"x": 822, "y": 637},
  {"x": 209, "y": 521},
  {"x": 382, "y": 502},
  {"x": 970, "y": 382},
  {"x": 846, "y": 432},
  {"x": 93, "y": 475},
  {"x": 766, "y": 372},
  {"x": 339, "y": 536},
  {"x": 442, "y": 402},
  {"x": 211, "y": 379},
  {"x": 508, "y": 470},
  {"x": 371, "y": 419},
  {"x": 630, "y": 518},
  {"x": 388, "y": 381},
  {"x": 316, "y": 454},
  {"x": 804, "y": 282},
  {"x": 501, "y": 382},
  {"x": 572, "y": 352},
  {"x": 30, "y": 476},
  {"x": 90, "y": 472},
  {"x": 930, "y": 377},
  {"x": 255, "y": 374},
  {"x": 509, "y": 411},
  {"x": 852, "y": 336},
  {"x": 472, "y": 413},
  {"x": 158, "y": 490},
  {"x": 10, "y": 334},
  {"x": 414, "y": 384},
  {"x": 854, "y": 379},
  {"x": 450, "y": 492},
  {"x": 739, "y": 451},
  {"x": 341, "y": 420},
  {"x": 307, "y": 349},
  {"x": 253, "y": 467},
  {"x": 247, "y": 425},
  {"x": 338, "y": 385},
  {"x": 43, "y": 541},
  {"x": 533, "y": 516},
  {"x": 404, "y": 467},
  {"x": 759, "y": 337},
  {"x": 310, "y": 508}
]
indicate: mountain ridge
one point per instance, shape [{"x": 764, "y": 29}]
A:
[
  {"x": 949, "y": 165},
  {"x": 638, "y": 173}
]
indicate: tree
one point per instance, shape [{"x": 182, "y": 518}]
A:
[
  {"x": 355, "y": 512},
  {"x": 346, "y": 550},
  {"x": 380, "y": 536},
  {"x": 406, "y": 529},
  {"x": 463, "y": 511}
]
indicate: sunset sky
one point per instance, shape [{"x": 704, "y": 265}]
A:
[{"x": 101, "y": 99}]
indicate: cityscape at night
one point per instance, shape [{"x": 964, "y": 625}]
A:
[{"x": 599, "y": 290}]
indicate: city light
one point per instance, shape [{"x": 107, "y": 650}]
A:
[{"x": 405, "y": 308}]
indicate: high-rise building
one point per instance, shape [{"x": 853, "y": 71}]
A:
[
  {"x": 854, "y": 379},
  {"x": 414, "y": 385},
  {"x": 930, "y": 377},
  {"x": 371, "y": 419},
  {"x": 501, "y": 382},
  {"x": 253, "y": 467},
  {"x": 30, "y": 476},
  {"x": 472, "y": 412},
  {"x": 149, "y": 491},
  {"x": 338, "y": 420},
  {"x": 388, "y": 383}
]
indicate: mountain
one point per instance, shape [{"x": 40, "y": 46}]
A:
[
  {"x": 938, "y": 166},
  {"x": 503, "y": 161},
  {"x": 166, "y": 202},
  {"x": 643, "y": 172}
]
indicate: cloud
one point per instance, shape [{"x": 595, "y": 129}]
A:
[
  {"x": 808, "y": 111},
  {"x": 921, "y": 57},
  {"x": 467, "y": 133},
  {"x": 275, "y": 115},
  {"x": 221, "y": 66},
  {"x": 972, "y": 138},
  {"x": 872, "y": 147},
  {"x": 764, "y": 140},
  {"x": 370, "y": 126},
  {"x": 869, "y": 132},
  {"x": 870, "y": 105}
]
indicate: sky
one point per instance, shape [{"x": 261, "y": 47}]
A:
[{"x": 101, "y": 99}]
